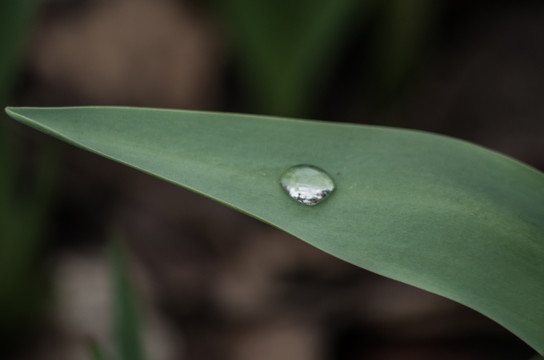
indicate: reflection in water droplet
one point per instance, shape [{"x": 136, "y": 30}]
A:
[{"x": 307, "y": 184}]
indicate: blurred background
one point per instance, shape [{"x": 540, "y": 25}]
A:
[{"x": 213, "y": 283}]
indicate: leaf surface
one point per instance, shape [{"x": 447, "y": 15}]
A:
[{"x": 434, "y": 212}]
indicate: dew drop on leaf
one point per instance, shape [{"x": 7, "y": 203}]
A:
[{"x": 307, "y": 184}]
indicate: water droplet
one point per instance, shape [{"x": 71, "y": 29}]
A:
[{"x": 307, "y": 184}]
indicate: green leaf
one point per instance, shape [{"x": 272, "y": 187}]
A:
[
  {"x": 440, "y": 214},
  {"x": 282, "y": 44},
  {"x": 22, "y": 288},
  {"x": 405, "y": 29},
  {"x": 15, "y": 18},
  {"x": 96, "y": 352},
  {"x": 126, "y": 319}
]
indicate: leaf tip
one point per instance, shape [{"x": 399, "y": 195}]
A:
[{"x": 11, "y": 111}]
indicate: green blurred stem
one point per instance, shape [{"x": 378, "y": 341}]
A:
[{"x": 126, "y": 316}]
